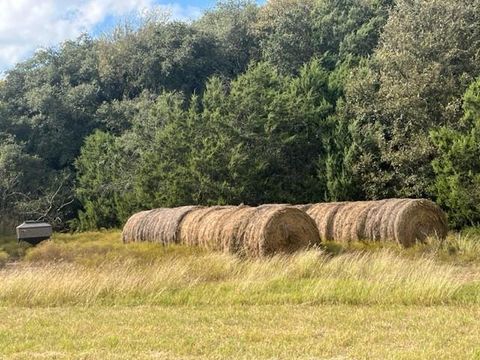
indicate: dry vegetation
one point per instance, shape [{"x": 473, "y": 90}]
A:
[
  {"x": 404, "y": 221},
  {"x": 240, "y": 230},
  {"x": 83, "y": 270},
  {"x": 158, "y": 225},
  {"x": 330, "y": 302},
  {"x": 284, "y": 229}
]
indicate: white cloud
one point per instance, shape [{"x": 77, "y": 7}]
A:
[
  {"x": 181, "y": 13},
  {"x": 26, "y": 25}
]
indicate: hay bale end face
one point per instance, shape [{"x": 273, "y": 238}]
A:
[
  {"x": 418, "y": 220},
  {"x": 279, "y": 229},
  {"x": 405, "y": 221}
]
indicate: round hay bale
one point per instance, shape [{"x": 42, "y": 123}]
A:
[
  {"x": 373, "y": 220},
  {"x": 304, "y": 207},
  {"x": 209, "y": 231},
  {"x": 249, "y": 231},
  {"x": 233, "y": 230},
  {"x": 194, "y": 223},
  {"x": 279, "y": 229},
  {"x": 357, "y": 220},
  {"x": 167, "y": 227},
  {"x": 131, "y": 226},
  {"x": 147, "y": 232},
  {"x": 139, "y": 226},
  {"x": 405, "y": 221},
  {"x": 340, "y": 228},
  {"x": 416, "y": 220},
  {"x": 158, "y": 225},
  {"x": 345, "y": 224},
  {"x": 390, "y": 213},
  {"x": 324, "y": 214}
]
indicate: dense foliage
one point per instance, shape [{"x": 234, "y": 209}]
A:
[{"x": 293, "y": 101}]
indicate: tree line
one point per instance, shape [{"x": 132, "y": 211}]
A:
[{"x": 294, "y": 101}]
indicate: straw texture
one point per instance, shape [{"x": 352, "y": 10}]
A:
[
  {"x": 405, "y": 221},
  {"x": 242, "y": 230},
  {"x": 158, "y": 225},
  {"x": 250, "y": 231}
]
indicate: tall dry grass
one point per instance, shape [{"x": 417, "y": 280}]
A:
[
  {"x": 310, "y": 277},
  {"x": 97, "y": 268}
]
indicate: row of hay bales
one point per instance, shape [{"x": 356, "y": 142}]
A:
[
  {"x": 405, "y": 221},
  {"x": 243, "y": 230},
  {"x": 269, "y": 229}
]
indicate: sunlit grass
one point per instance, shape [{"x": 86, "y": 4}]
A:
[
  {"x": 241, "y": 332},
  {"x": 98, "y": 248},
  {"x": 91, "y": 296},
  {"x": 458, "y": 248},
  {"x": 97, "y": 268},
  {"x": 148, "y": 274}
]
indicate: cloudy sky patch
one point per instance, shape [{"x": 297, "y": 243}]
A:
[{"x": 26, "y": 25}]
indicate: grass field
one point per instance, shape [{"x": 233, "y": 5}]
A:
[
  {"x": 244, "y": 332},
  {"x": 89, "y": 296}
]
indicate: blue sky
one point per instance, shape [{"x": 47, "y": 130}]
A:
[{"x": 26, "y": 25}]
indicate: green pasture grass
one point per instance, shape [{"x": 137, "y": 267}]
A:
[
  {"x": 241, "y": 332},
  {"x": 461, "y": 248},
  {"x": 97, "y": 248}
]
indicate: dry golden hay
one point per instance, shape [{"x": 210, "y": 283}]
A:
[
  {"x": 373, "y": 213},
  {"x": 129, "y": 232},
  {"x": 158, "y": 225},
  {"x": 324, "y": 214},
  {"x": 304, "y": 207},
  {"x": 279, "y": 229},
  {"x": 418, "y": 220},
  {"x": 344, "y": 222},
  {"x": 405, "y": 221},
  {"x": 194, "y": 223},
  {"x": 250, "y": 231}
]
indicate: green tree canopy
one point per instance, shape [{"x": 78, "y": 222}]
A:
[
  {"x": 457, "y": 167},
  {"x": 428, "y": 55}
]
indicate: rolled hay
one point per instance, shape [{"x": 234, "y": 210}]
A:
[
  {"x": 373, "y": 214},
  {"x": 324, "y": 215},
  {"x": 157, "y": 225},
  {"x": 344, "y": 223},
  {"x": 303, "y": 207},
  {"x": 198, "y": 223},
  {"x": 418, "y": 220},
  {"x": 250, "y": 231},
  {"x": 130, "y": 228},
  {"x": 279, "y": 229},
  {"x": 405, "y": 221}
]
